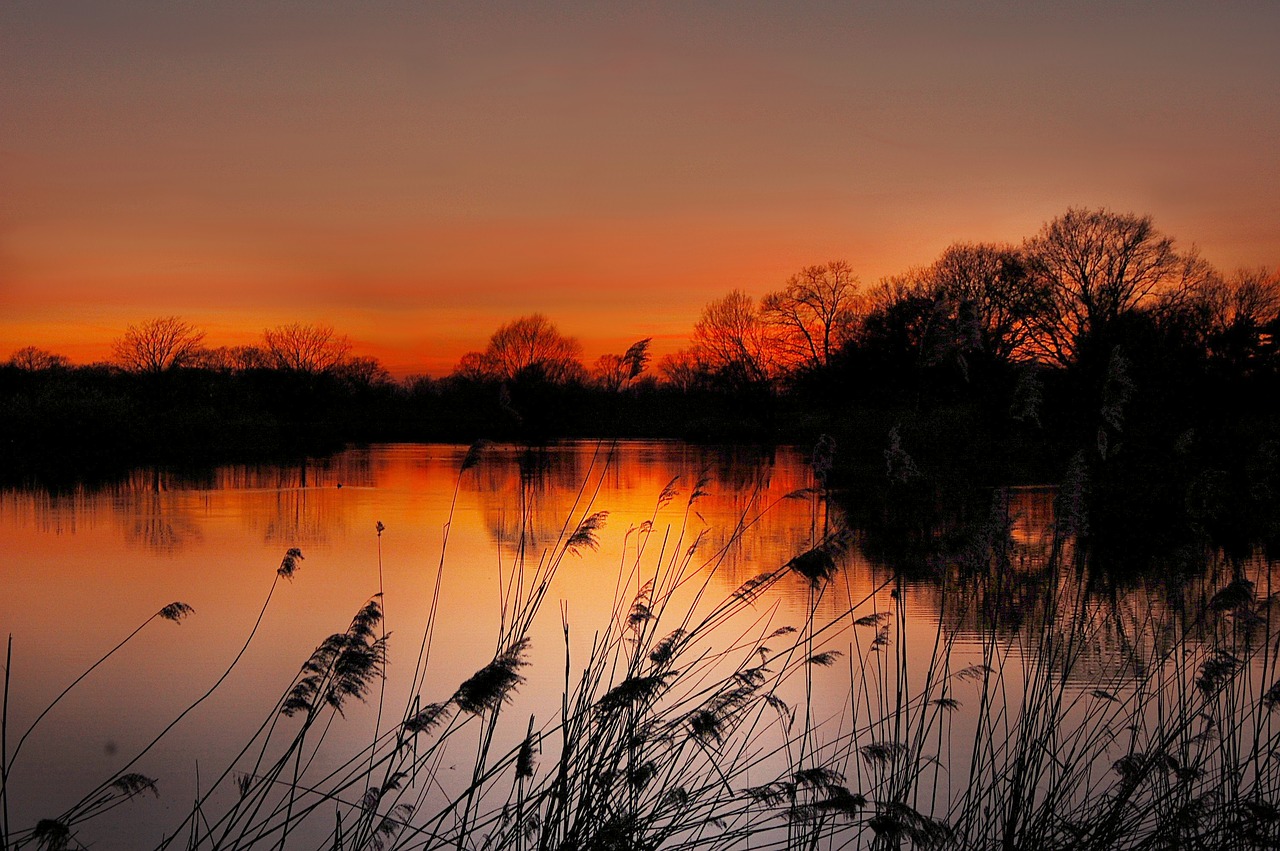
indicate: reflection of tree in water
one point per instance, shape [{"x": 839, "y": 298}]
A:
[
  {"x": 526, "y": 495},
  {"x": 155, "y": 524},
  {"x": 162, "y": 509},
  {"x": 51, "y": 513},
  {"x": 1016, "y": 579},
  {"x": 152, "y": 513},
  {"x": 299, "y": 504},
  {"x": 353, "y": 468},
  {"x": 768, "y": 488},
  {"x": 145, "y": 504},
  {"x": 297, "y": 517}
]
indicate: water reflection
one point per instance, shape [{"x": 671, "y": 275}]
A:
[
  {"x": 757, "y": 507},
  {"x": 996, "y": 574},
  {"x": 525, "y": 493},
  {"x": 164, "y": 511},
  {"x": 528, "y": 496},
  {"x": 1015, "y": 581},
  {"x": 157, "y": 523}
]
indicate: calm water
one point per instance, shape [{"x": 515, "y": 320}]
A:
[{"x": 82, "y": 569}]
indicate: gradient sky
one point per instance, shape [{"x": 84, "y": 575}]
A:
[{"x": 417, "y": 173}]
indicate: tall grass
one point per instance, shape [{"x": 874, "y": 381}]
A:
[
  {"x": 1031, "y": 712},
  {"x": 1057, "y": 718}
]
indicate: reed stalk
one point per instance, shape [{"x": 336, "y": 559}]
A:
[{"x": 693, "y": 721}]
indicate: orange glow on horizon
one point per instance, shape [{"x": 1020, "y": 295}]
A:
[
  {"x": 412, "y": 342},
  {"x": 415, "y": 176}
]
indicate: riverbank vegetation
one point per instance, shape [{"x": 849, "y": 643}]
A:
[
  {"x": 994, "y": 364},
  {"x": 1015, "y": 347},
  {"x": 1112, "y": 686},
  {"x": 1049, "y": 705}
]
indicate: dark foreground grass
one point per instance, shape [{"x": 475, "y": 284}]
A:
[{"x": 1035, "y": 714}]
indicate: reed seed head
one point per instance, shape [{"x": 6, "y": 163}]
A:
[
  {"x": 289, "y": 564},
  {"x": 584, "y": 537},
  {"x": 176, "y": 612},
  {"x": 491, "y": 686},
  {"x": 474, "y": 453}
]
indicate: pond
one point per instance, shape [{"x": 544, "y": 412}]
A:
[{"x": 875, "y": 673}]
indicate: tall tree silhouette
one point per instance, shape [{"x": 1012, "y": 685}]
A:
[
  {"x": 158, "y": 345},
  {"x": 1096, "y": 266},
  {"x": 815, "y": 313},
  {"x": 736, "y": 343},
  {"x": 305, "y": 348},
  {"x": 530, "y": 347},
  {"x": 991, "y": 298}
]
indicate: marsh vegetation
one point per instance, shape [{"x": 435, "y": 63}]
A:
[
  {"x": 882, "y": 640},
  {"x": 1000, "y": 357},
  {"x": 646, "y": 678}
]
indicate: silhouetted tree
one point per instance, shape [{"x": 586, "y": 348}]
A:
[
  {"x": 910, "y": 320},
  {"x": 362, "y": 372},
  {"x": 33, "y": 359},
  {"x": 974, "y": 305},
  {"x": 529, "y": 347},
  {"x": 419, "y": 385},
  {"x": 1225, "y": 319},
  {"x": 1238, "y": 309},
  {"x": 736, "y": 343},
  {"x": 231, "y": 358},
  {"x": 815, "y": 313},
  {"x": 907, "y": 331},
  {"x": 614, "y": 372},
  {"x": 1096, "y": 265},
  {"x": 683, "y": 370},
  {"x": 471, "y": 367},
  {"x": 215, "y": 359},
  {"x": 305, "y": 348},
  {"x": 249, "y": 357},
  {"x": 158, "y": 345},
  {"x": 992, "y": 301}
]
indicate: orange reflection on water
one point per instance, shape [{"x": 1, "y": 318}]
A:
[{"x": 83, "y": 568}]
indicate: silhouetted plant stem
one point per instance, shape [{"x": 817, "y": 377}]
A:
[
  {"x": 382, "y": 683},
  {"x": 292, "y": 793},
  {"x": 4, "y": 747},
  {"x": 168, "y": 612},
  {"x": 71, "y": 815}
]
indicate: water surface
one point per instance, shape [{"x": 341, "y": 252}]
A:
[{"x": 82, "y": 568}]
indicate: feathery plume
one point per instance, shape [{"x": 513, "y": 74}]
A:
[
  {"x": 176, "y": 612},
  {"x": 474, "y": 452},
  {"x": 492, "y": 685},
  {"x": 584, "y": 537},
  {"x": 289, "y": 564}
]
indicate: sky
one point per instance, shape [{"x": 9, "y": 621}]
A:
[{"x": 418, "y": 173}]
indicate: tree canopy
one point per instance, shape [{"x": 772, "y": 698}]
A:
[
  {"x": 305, "y": 348},
  {"x": 530, "y": 347},
  {"x": 1095, "y": 265},
  {"x": 158, "y": 345},
  {"x": 814, "y": 314}
]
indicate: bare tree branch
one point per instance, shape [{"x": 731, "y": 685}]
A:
[
  {"x": 305, "y": 348},
  {"x": 158, "y": 345}
]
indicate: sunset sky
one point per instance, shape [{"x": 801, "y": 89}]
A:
[{"x": 417, "y": 173}]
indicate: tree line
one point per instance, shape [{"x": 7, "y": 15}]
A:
[
  {"x": 1078, "y": 287},
  {"x": 1083, "y": 285},
  {"x": 1096, "y": 331}
]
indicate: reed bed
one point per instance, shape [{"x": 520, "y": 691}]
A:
[{"x": 1034, "y": 712}]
